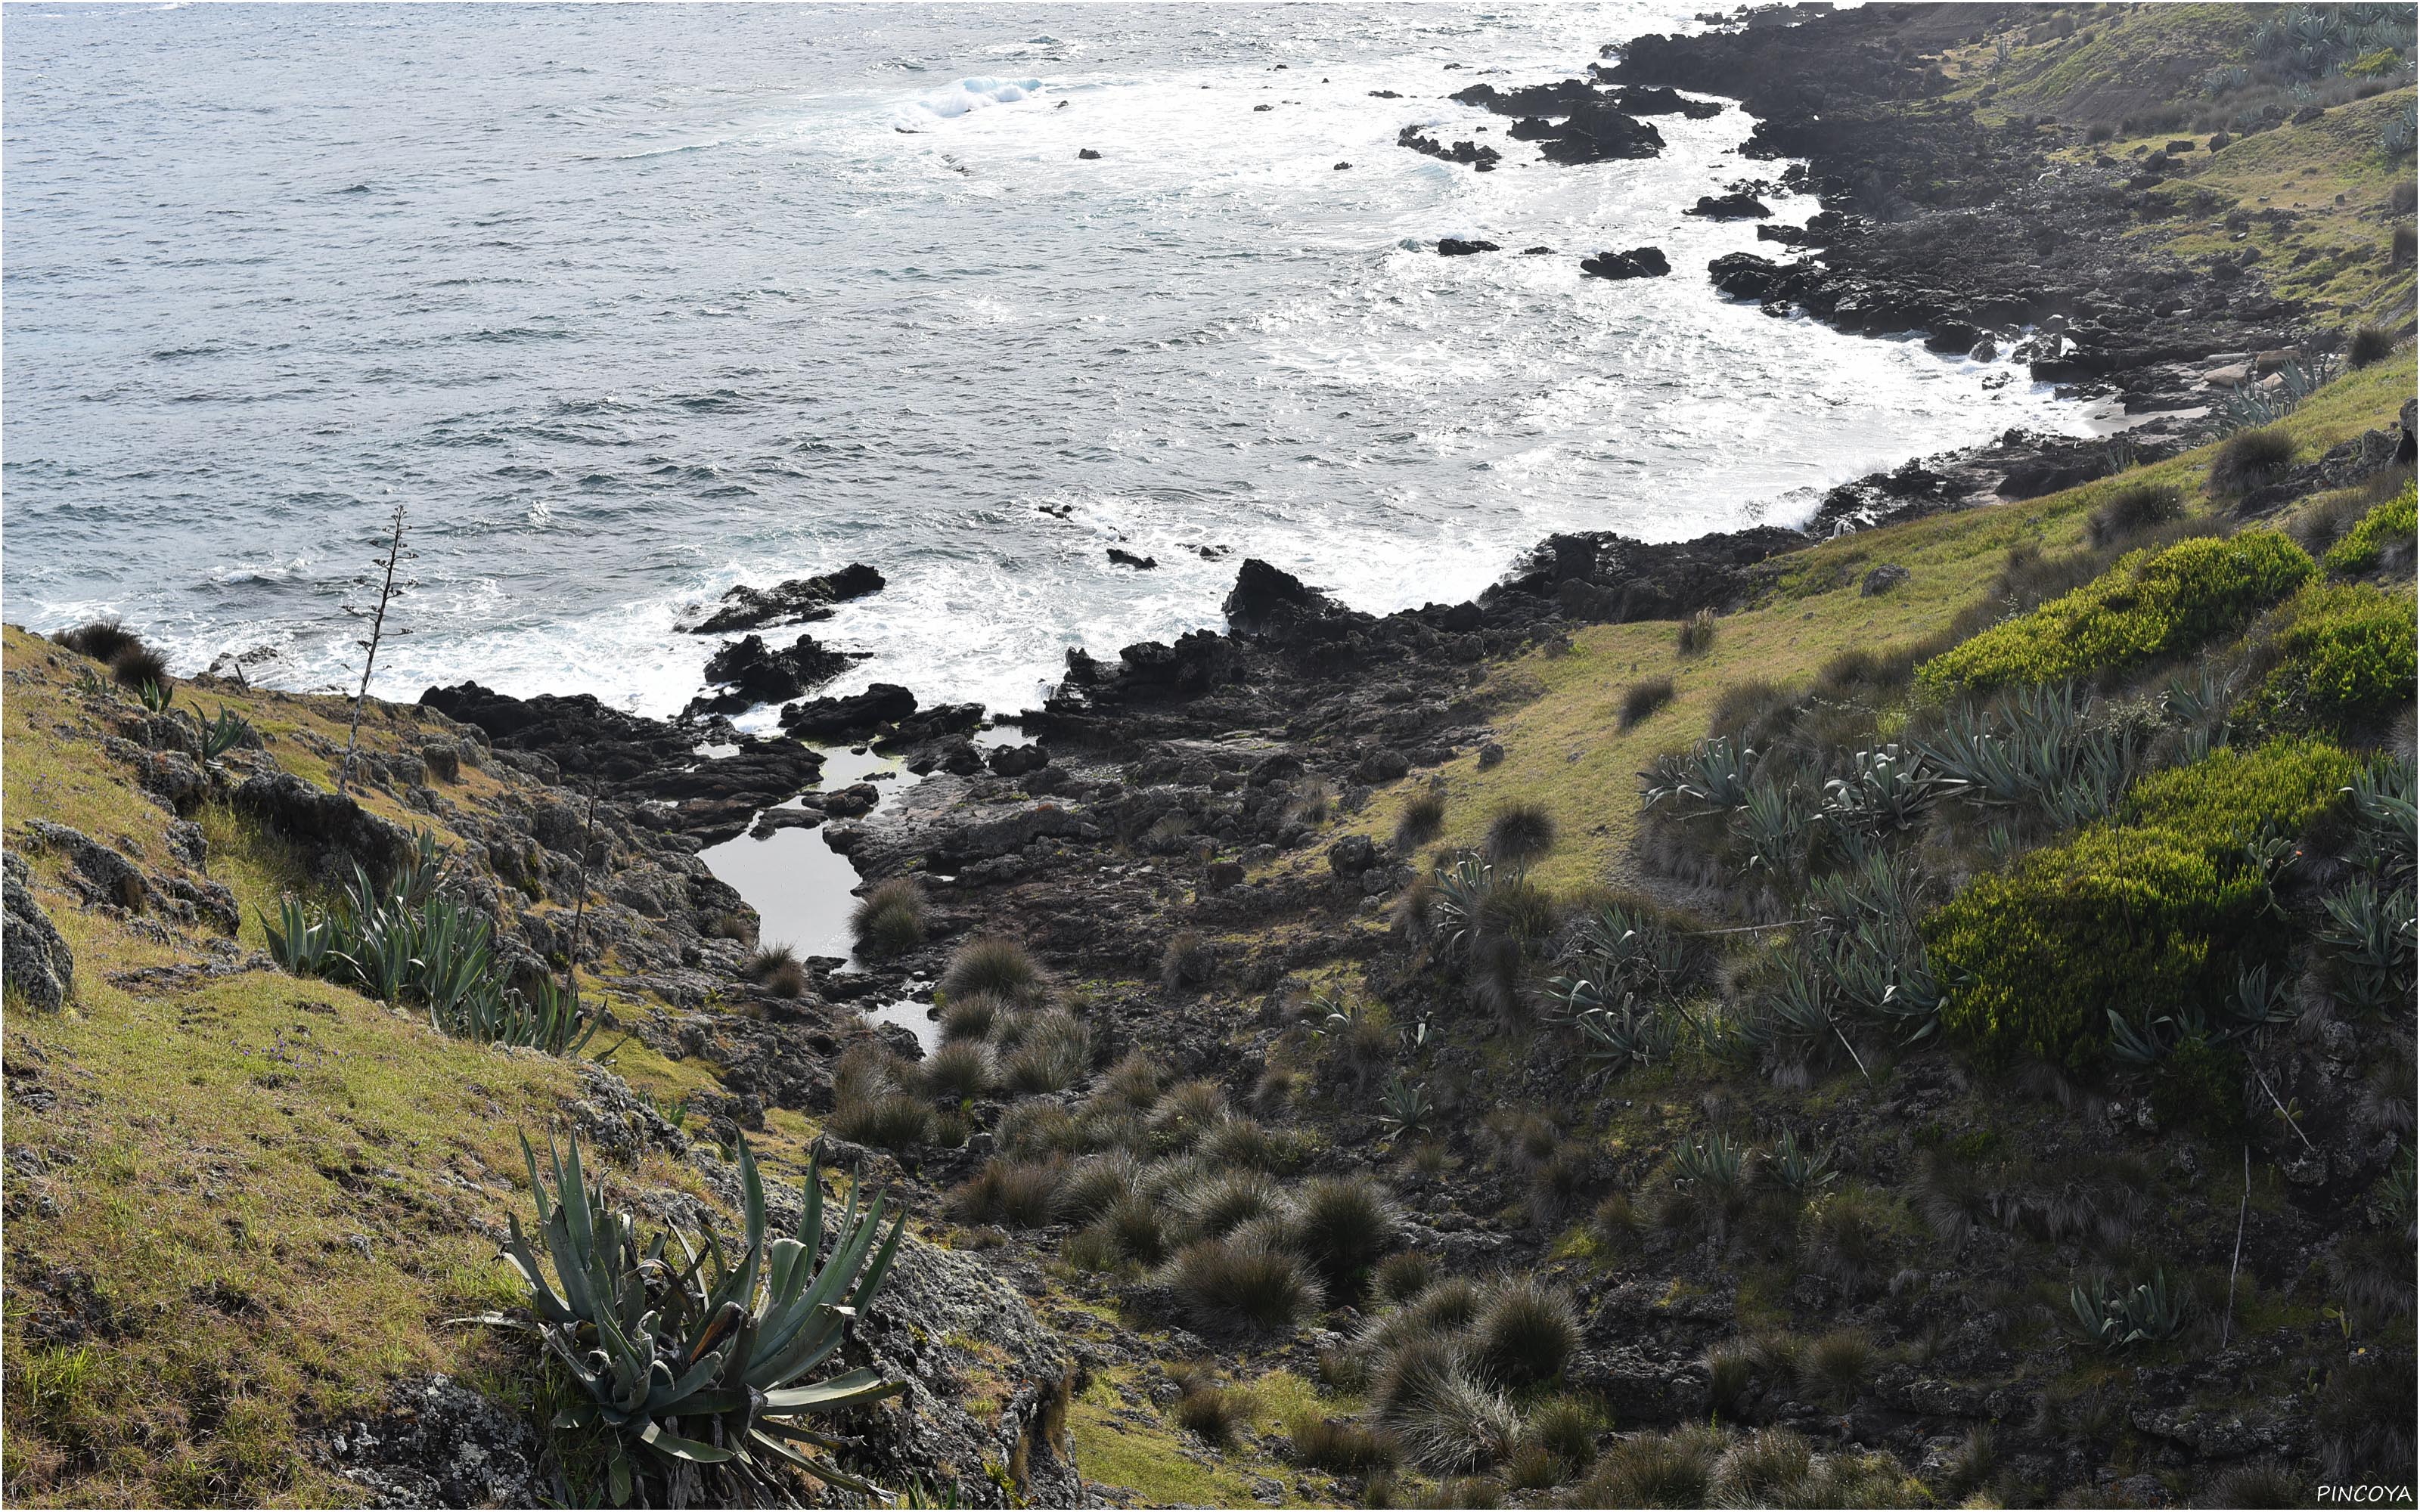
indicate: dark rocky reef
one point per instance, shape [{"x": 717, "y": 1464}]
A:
[
  {"x": 750, "y": 673},
  {"x": 579, "y": 741},
  {"x": 1482, "y": 159},
  {"x": 1938, "y": 221},
  {"x": 1638, "y": 262},
  {"x": 798, "y": 601}
]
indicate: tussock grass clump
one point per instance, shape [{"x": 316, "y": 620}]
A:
[
  {"x": 1238, "y": 1285},
  {"x": 1520, "y": 834},
  {"x": 1640, "y": 701},
  {"x": 102, "y": 640},
  {"x": 776, "y": 968},
  {"x": 1244, "y": 1144},
  {"x": 1187, "y": 1114},
  {"x": 1839, "y": 1364},
  {"x": 1139, "y": 1228},
  {"x": 1656, "y": 1470},
  {"x": 995, "y": 968},
  {"x": 1696, "y": 635},
  {"x": 139, "y": 667},
  {"x": 971, "y": 1017},
  {"x": 1403, "y": 1276},
  {"x": 1043, "y": 1052},
  {"x": 2369, "y": 346},
  {"x": 2134, "y": 509},
  {"x": 1421, "y": 820},
  {"x": 891, "y": 1121},
  {"x": 1452, "y": 1302},
  {"x": 1565, "y": 1427},
  {"x": 2249, "y": 457},
  {"x": 890, "y": 919},
  {"x": 1210, "y": 1412},
  {"x": 1219, "y": 1205},
  {"x": 960, "y": 1071},
  {"x": 1345, "y": 1225},
  {"x": 1731, "y": 1370},
  {"x": 1447, "y": 1419},
  {"x": 1094, "y": 1184},
  {"x": 1012, "y": 1194},
  {"x": 1339, "y": 1446},
  {"x": 1188, "y": 961},
  {"x": 1762, "y": 1466},
  {"x": 1132, "y": 1085},
  {"x": 1525, "y": 1333}
]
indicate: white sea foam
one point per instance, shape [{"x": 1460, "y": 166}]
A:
[{"x": 966, "y": 96}]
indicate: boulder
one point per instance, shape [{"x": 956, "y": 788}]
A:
[
  {"x": 798, "y": 601},
  {"x": 1016, "y": 761},
  {"x": 35, "y": 960},
  {"x": 335, "y": 829},
  {"x": 1456, "y": 247},
  {"x": 1005, "y": 833},
  {"x": 439, "y": 1443},
  {"x": 752, "y": 673},
  {"x": 102, "y": 874},
  {"x": 1640, "y": 262},
  {"x": 1736, "y": 206},
  {"x": 1883, "y": 579},
  {"x": 1120, "y": 557},
  {"x": 1743, "y": 275},
  {"x": 1352, "y": 855},
  {"x": 853, "y": 718}
]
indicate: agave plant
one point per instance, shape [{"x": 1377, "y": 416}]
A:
[
  {"x": 1714, "y": 777},
  {"x": 1798, "y": 1170},
  {"x": 1458, "y": 915},
  {"x": 694, "y": 1366},
  {"x": 1886, "y": 792},
  {"x": 1626, "y": 1034},
  {"x": 1406, "y": 1109},
  {"x": 2383, "y": 804},
  {"x": 1715, "y": 1162},
  {"x": 223, "y": 734},
  {"x": 2369, "y": 934},
  {"x": 1773, "y": 824},
  {"x": 2144, "y": 1314}
]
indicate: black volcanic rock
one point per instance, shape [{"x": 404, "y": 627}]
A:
[
  {"x": 853, "y": 718},
  {"x": 751, "y": 672},
  {"x": 631, "y": 757},
  {"x": 799, "y": 601},
  {"x": 1729, "y": 207},
  {"x": 1640, "y": 262},
  {"x": 1456, "y": 247},
  {"x": 1743, "y": 275},
  {"x": 1482, "y": 159}
]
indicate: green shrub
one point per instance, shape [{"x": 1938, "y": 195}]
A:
[
  {"x": 2393, "y": 523},
  {"x": 2232, "y": 795},
  {"x": 2348, "y": 657},
  {"x": 2148, "y": 605},
  {"x": 2118, "y": 919}
]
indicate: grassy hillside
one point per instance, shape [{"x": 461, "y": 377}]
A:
[{"x": 1566, "y": 748}]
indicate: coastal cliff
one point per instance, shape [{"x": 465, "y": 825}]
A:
[{"x": 1911, "y": 1015}]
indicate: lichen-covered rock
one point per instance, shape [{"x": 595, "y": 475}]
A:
[
  {"x": 39, "y": 965},
  {"x": 103, "y": 874},
  {"x": 438, "y": 1445},
  {"x": 334, "y": 827}
]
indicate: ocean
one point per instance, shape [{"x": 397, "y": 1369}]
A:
[{"x": 628, "y": 304}]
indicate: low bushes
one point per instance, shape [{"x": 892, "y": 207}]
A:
[
  {"x": 2346, "y": 659},
  {"x": 2148, "y": 605},
  {"x": 2232, "y": 795},
  {"x": 2384, "y": 531},
  {"x": 2118, "y": 919}
]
